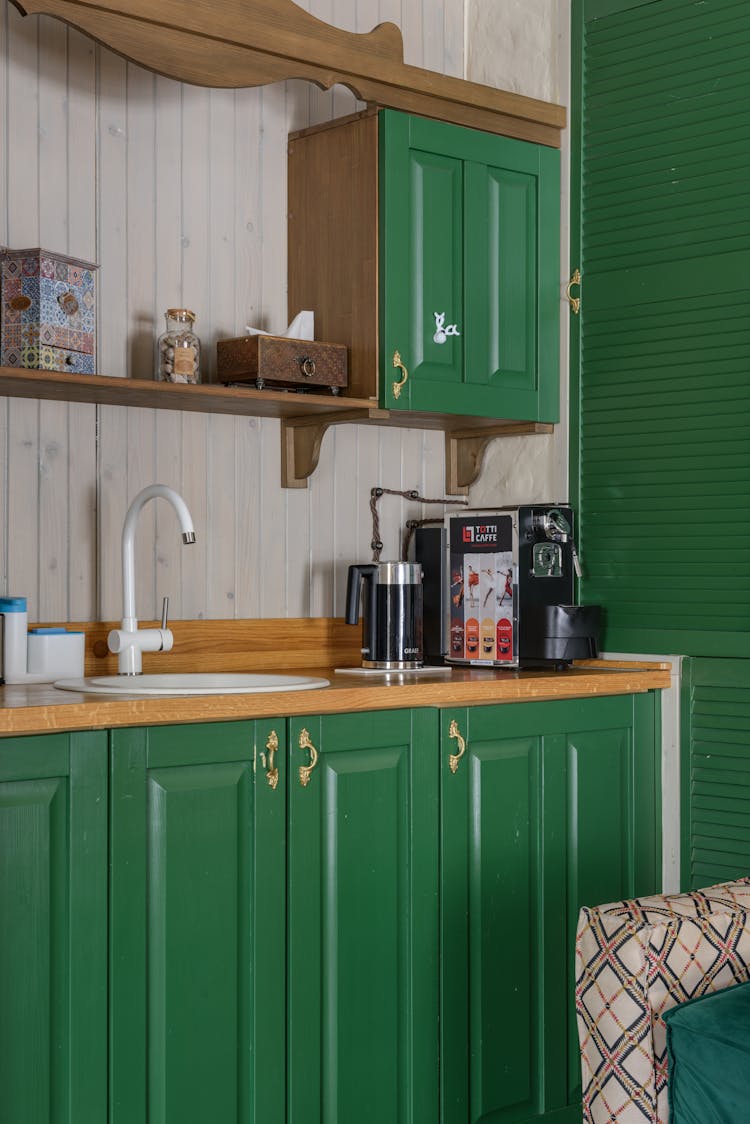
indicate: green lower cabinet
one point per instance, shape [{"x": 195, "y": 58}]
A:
[
  {"x": 53, "y": 929},
  {"x": 545, "y": 807},
  {"x": 363, "y": 919},
  {"x": 197, "y": 924},
  {"x": 355, "y": 917}
]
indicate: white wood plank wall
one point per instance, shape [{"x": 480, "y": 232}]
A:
[{"x": 179, "y": 194}]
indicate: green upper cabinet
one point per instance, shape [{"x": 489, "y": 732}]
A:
[
  {"x": 469, "y": 278},
  {"x": 197, "y": 924},
  {"x": 545, "y": 807},
  {"x": 53, "y": 929},
  {"x": 432, "y": 251},
  {"x": 363, "y": 919}
]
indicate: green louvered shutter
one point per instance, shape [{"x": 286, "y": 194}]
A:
[
  {"x": 716, "y": 782},
  {"x": 661, "y": 354}
]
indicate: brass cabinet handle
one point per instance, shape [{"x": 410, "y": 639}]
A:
[
  {"x": 453, "y": 732},
  {"x": 574, "y": 302},
  {"x": 398, "y": 386},
  {"x": 305, "y": 770},
  {"x": 272, "y": 745}
]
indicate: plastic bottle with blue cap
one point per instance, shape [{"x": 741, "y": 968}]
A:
[{"x": 15, "y": 624}]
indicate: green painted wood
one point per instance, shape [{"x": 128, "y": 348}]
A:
[
  {"x": 552, "y": 807},
  {"x": 469, "y": 229},
  {"x": 716, "y": 771},
  {"x": 363, "y": 931},
  {"x": 53, "y": 969},
  {"x": 660, "y": 398},
  {"x": 193, "y": 903}
]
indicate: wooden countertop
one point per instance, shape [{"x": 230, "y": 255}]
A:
[{"x": 42, "y": 708}]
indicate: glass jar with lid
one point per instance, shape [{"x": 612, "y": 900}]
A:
[{"x": 179, "y": 349}]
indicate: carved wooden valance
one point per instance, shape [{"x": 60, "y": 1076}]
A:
[{"x": 239, "y": 43}]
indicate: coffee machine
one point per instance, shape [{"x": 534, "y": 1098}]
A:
[{"x": 507, "y": 578}]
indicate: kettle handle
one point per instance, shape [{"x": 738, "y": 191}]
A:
[{"x": 353, "y": 586}]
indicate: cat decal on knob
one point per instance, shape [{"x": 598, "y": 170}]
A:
[{"x": 441, "y": 330}]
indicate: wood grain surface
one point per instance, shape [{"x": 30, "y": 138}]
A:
[
  {"x": 308, "y": 646},
  {"x": 233, "y": 45}
]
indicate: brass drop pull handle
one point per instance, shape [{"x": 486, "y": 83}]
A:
[
  {"x": 574, "y": 302},
  {"x": 306, "y": 770},
  {"x": 401, "y": 383},
  {"x": 307, "y": 365},
  {"x": 453, "y": 732},
  {"x": 272, "y": 745}
]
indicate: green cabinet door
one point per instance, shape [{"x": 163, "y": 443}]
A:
[
  {"x": 197, "y": 924},
  {"x": 545, "y": 807},
  {"x": 469, "y": 271},
  {"x": 363, "y": 919},
  {"x": 53, "y": 936}
]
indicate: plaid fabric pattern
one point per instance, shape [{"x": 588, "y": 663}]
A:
[{"x": 635, "y": 960}]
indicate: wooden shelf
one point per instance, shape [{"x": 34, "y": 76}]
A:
[
  {"x": 260, "y": 41},
  {"x": 305, "y": 418},
  {"x": 17, "y": 382}
]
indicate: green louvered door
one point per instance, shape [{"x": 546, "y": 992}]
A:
[
  {"x": 662, "y": 110},
  {"x": 716, "y": 771}
]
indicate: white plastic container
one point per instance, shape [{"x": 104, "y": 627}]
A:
[
  {"x": 55, "y": 653},
  {"x": 15, "y": 622}
]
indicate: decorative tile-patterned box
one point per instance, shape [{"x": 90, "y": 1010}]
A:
[{"x": 48, "y": 318}]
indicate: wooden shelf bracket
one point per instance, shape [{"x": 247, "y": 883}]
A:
[
  {"x": 301, "y": 439},
  {"x": 465, "y": 451}
]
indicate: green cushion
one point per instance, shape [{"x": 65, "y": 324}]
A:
[{"x": 708, "y": 1046}]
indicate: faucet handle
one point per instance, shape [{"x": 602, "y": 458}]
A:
[{"x": 164, "y": 611}]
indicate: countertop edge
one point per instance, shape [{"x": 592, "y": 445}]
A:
[{"x": 42, "y": 709}]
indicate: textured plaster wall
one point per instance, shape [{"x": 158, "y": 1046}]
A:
[{"x": 524, "y": 46}]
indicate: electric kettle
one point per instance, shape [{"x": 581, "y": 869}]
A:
[{"x": 391, "y": 613}]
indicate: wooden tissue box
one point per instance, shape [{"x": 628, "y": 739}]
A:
[{"x": 280, "y": 362}]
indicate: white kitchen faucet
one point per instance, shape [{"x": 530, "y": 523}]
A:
[{"x": 129, "y": 642}]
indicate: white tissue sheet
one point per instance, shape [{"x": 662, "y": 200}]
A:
[{"x": 301, "y": 328}]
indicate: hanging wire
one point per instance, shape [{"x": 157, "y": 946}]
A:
[{"x": 409, "y": 494}]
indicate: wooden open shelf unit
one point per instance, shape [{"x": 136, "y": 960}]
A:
[
  {"x": 304, "y": 417},
  {"x": 233, "y": 45}
]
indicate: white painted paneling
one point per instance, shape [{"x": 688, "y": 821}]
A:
[{"x": 180, "y": 194}]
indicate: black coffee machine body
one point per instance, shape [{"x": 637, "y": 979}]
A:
[
  {"x": 551, "y": 629},
  {"x": 391, "y": 597},
  {"x": 507, "y": 578}
]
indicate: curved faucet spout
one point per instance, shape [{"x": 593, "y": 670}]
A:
[{"x": 128, "y": 641}]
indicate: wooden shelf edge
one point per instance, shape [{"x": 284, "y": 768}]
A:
[
  {"x": 305, "y": 418},
  {"x": 208, "y": 398},
  {"x": 222, "y": 46}
]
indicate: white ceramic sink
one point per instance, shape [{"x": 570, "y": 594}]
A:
[{"x": 223, "y": 683}]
